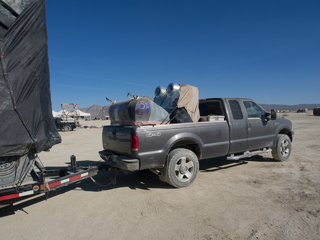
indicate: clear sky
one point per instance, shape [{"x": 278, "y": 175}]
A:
[{"x": 265, "y": 50}]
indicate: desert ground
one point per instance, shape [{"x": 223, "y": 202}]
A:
[{"x": 258, "y": 199}]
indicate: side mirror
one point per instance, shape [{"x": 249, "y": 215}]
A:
[
  {"x": 267, "y": 116},
  {"x": 273, "y": 114}
]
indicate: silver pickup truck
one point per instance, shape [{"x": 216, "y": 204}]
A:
[{"x": 233, "y": 127}]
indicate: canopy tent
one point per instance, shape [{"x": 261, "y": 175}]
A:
[
  {"x": 56, "y": 114},
  {"x": 78, "y": 114},
  {"x": 83, "y": 114}
]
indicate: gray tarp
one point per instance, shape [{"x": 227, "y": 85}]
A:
[{"x": 26, "y": 122}]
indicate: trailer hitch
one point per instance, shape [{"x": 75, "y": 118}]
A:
[{"x": 112, "y": 180}]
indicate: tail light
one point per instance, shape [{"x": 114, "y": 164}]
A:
[{"x": 134, "y": 143}]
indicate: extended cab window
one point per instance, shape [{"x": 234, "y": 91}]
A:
[
  {"x": 211, "y": 108},
  {"x": 253, "y": 109},
  {"x": 235, "y": 109}
]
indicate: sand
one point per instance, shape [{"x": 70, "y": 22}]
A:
[{"x": 259, "y": 199}]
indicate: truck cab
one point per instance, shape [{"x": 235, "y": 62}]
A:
[{"x": 252, "y": 126}]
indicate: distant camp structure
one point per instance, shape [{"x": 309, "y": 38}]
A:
[
  {"x": 316, "y": 111},
  {"x": 69, "y": 110},
  {"x": 302, "y": 110}
]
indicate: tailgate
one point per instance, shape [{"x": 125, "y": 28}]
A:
[{"x": 117, "y": 139}]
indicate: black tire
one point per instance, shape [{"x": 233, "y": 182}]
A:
[
  {"x": 67, "y": 128},
  {"x": 282, "y": 150},
  {"x": 182, "y": 168},
  {"x": 15, "y": 168}
]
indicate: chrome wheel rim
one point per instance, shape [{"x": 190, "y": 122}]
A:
[
  {"x": 184, "y": 169},
  {"x": 285, "y": 151}
]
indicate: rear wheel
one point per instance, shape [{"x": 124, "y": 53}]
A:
[
  {"x": 67, "y": 128},
  {"x": 182, "y": 168},
  {"x": 282, "y": 150}
]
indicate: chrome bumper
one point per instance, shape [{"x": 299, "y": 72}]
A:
[{"x": 119, "y": 161}]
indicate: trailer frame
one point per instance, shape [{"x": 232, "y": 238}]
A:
[{"x": 65, "y": 176}]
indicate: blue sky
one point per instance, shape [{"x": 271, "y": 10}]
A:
[{"x": 265, "y": 50}]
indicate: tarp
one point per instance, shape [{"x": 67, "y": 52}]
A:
[
  {"x": 189, "y": 99},
  {"x": 26, "y": 121}
]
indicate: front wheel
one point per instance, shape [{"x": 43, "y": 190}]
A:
[
  {"x": 182, "y": 168},
  {"x": 282, "y": 150}
]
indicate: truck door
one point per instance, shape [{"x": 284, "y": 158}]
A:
[
  {"x": 237, "y": 127},
  {"x": 260, "y": 130}
]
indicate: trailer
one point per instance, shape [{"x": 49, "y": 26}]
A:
[
  {"x": 43, "y": 181},
  {"x": 27, "y": 126}
]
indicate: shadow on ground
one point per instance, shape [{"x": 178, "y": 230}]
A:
[
  {"x": 144, "y": 180},
  {"x": 220, "y": 163}
]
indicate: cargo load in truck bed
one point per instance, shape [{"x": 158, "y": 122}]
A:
[{"x": 139, "y": 111}]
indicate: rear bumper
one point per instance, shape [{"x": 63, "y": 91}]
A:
[{"x": 119, "y": 161}]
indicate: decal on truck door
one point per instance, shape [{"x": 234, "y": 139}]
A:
[{"x": 153, "y": 134}]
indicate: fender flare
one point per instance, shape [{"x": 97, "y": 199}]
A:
[{"x": 180, "y": 137}]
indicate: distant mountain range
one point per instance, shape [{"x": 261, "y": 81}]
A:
[
  {"x": 98, "y": 111},
  {"x": 268, "y": 107}
]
